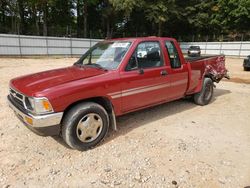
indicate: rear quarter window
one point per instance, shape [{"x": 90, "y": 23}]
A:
[{"x": 173, "y": 55}]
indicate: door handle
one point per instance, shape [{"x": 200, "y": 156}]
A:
[{"x": 164, "y": 72}]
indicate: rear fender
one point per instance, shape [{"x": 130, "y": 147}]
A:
[
  {"x": 207, "y": 73},
  {"x": 217, "y": 70},
  {"x": 199, "y": 87},
  {"x": 211, "y": 72},
  {"x": 216, "y": 75}
]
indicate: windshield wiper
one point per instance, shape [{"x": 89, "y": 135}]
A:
[
  {"x": 97, "y": 66},
  {"x": 80, "y": 63},
  {"x": 77, "y": 64},
  {"x": 90, "y": 65}
]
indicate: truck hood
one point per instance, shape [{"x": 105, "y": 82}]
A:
[{"x": 41, "y": 81}]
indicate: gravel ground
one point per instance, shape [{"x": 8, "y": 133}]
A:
[
  {"x": 177, "y": 144},
  {"x": 235, "y": 67}
]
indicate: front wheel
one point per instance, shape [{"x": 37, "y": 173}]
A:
[
  {"x": 206, "y": 94},
  {"x": 85, "y": 125}
]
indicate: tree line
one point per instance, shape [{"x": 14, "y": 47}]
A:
[{"x": 119, "y": 18}]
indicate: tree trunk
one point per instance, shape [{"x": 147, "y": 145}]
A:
[
  {"x": 85, "y": 19},
  {"x": 35, "y": 20},
  {"x": 78, "y": 18},
  {"x": 21, "y": 14},
  {"x": 45, "y": 19},
  {"x": 108, "y": 29},
  {"x": 37, "y": 25},
  {"x": 3, "y": 17},
  {"x": 13, "y": 30},
  {"x": 159, "y": 29},
  {"x": 14, "y": 24},
  {"x": 109, "y": 15},
  {"x": 12, "y": 6}
]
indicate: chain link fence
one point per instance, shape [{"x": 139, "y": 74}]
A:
[{"x": 20, "y": 45}]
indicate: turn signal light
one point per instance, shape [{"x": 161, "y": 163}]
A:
[
  {"x": 46, "y": 105},
  {"x": 29, "y": 120}
]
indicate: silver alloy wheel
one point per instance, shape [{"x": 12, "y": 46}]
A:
[{"x": 89, "y": 127}]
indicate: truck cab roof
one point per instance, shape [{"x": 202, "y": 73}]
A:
[{"x": 141, "y": 38}]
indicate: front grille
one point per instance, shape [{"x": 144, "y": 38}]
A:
[
  {"x": 27, "y": 103},
  {"x": 17, "y": 97}
]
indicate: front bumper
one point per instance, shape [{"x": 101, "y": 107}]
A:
[
  {"x": 194, "y": 53},
  {"x": 45, "y": 125}
]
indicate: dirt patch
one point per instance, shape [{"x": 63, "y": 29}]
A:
[
  {"x": 236, "y": 72},
  {"x": 238, "y": 80},
  {"x": 178, "y": 144}
]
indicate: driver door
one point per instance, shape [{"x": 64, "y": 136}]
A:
[{"x": 144, "y": 81}]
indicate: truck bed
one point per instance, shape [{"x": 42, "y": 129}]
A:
[
  {"x": 205, "y": 65},
  {"x": 193, "y": 59}
]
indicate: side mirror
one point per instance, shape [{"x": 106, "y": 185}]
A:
[{"x": 141, "y": 71}]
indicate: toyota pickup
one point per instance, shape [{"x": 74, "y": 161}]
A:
[{"x": 113, "y": 78}]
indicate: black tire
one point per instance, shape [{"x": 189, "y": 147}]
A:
[
  {"x": 206, "y": 94},
  {"x": 246, "y": 69},
  {"x": 73, "y": 118}
]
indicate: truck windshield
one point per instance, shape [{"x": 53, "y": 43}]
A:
[
  {"x": 194, "y": 47},
  {"x": 106, "y": 55}
]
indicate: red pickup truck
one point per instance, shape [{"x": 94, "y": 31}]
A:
[{"x": 112, "y": 78}]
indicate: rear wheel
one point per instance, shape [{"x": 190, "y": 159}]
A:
[
  {"x": 205, "y": 95},
  {"x": 85, "y": 125}
]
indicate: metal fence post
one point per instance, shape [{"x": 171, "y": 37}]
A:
[
  {"x": 47, "y": 46},
  {"x": 241, "y": 45},
  {"x": 19, "y": 43},
  {"x": 90, "y": 42},
  {"x": 71, "y": 50},
  {"x": 206, "y": 46},
  {"x": 220, "y": 47}
]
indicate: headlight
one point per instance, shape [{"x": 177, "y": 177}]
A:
[{"x": 39, "y": 105}]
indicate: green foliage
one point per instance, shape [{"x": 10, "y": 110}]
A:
[
  {"x": 118, "y": 18},
  {"x": 159, "y": 11},
  {"x": 233, "y": 15},
  {"x": 127, "y": 6}
]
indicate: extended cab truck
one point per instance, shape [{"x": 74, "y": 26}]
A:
[{"x": 113, "y": 78}]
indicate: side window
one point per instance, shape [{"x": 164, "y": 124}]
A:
[
  {"x": 173, "y": 55},
  {"x": 146, "y": 55}
]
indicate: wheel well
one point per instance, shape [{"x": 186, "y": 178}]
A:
[
  {"x": 214, "y": 78},
  {"x": 210, "y": 76},
  {"x": 103, "y": 101}
]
